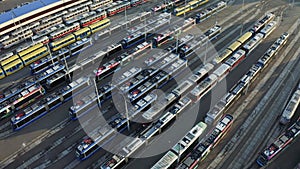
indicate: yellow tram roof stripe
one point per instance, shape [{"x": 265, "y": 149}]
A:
[
  {"x": 80, "y": 31},
  {"x": 63, "y": 39},
  {"x": 34, "y": 53},
  {"x": 234, "y": 45},
  {"x": 31, "y": 49},
  {"x": 245, "y": 37},
  {"x": 10, "y": 59},
  {"x": 99, "y": 23},
  {"x": 12, "y": 64}
]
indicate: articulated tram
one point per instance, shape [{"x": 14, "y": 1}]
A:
[
  {"x": 189, "y": 7},
  {"x": 26, "y": 116},
  {"x": 201, "y": 150},
  {"x": 186, "y": 144},
  {"x": 279, "y": 144}
]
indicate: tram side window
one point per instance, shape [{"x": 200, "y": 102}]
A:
[
  {"x": 91, "y": 150},
  {"x": 16, "y": 67},
  {"x": 4, "y": 112}
]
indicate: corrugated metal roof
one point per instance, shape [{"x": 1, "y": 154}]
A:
[
  {"x": 48, "y": 2},
  {"x": 27, "y": 8},
  {"x": 6, "y": 16}
]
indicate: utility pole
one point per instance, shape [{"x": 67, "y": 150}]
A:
[
  {"x": 32, "y": 40},
  {"x": 179, "y": 149},
  {"x": 145, "y": 23},
  {"x": 126, "y": 16},
  {"x": 97, "y": 93},
  {"x": 66, "y": 64},
  {"x": 184, "y": 5},
  {"x": 177, "y": 40},
  {"x": 292, "y": 3},
  {"x": 291, "y": 73},
  {"x": 206, "y": 46},
  {"x": 247, "y": 88},
  {"x": 50, "y": 53},
  {"x": 126, "y": 108},
  {"x": 216, "y": 19},
  {"x": 242, "y": 10},
  {"x": 126, "y": 111}
]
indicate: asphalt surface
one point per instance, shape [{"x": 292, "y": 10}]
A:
[
  {"x": 31, "y": 132},
  {"x": 280, "y": 161},
  {"x": 72, "y": 134},
  {"x": 288, "y": 158},
  {"x": 231, "y": 80}
]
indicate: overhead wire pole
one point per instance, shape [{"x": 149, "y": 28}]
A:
[
  {"x": 242, "y": 9},
  {"x": 184, "y": 6},
  {"x": 145, "y": 23},
  {"x": 247, "y": 88},
  {"x": 292, "y": 2},
  {"x": 66, "y": 64},
  {"x": 97, "y": 93},
  {"x": 179, "y": 155},
  {"x": 32, "y": 39},
  {"x": 177, "y": 40},
  {"x": 50, "y": 53},
  {"x": 48, "y": 48},
  {"x": 126, "y": 113},
  {"x": 126, "y": 108},
  {"x": 22, "y": 30},
  {"x": 23, "y": 34},
  {"x": 216, "y": 22},
  {"x": 291, "y": 73},
  {"x": 126, "y": 16},
  {"x": 206, "y": 46}
]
